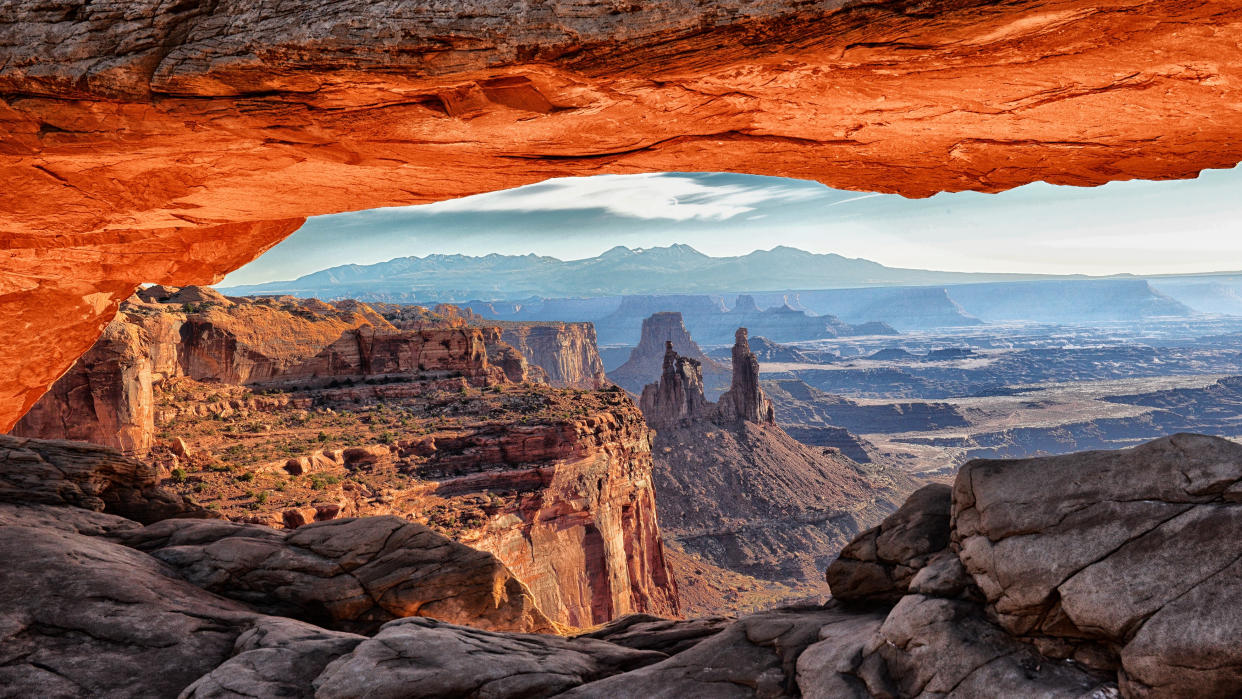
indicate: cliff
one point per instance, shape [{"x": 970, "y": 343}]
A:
[
  {"x": 648, "y": 358},
  {"x": 163, "y": 333},
  {"x": 287, "y": 412},
  {"x": 739, "y": 492},
  {"x": 566, "y": 352}
]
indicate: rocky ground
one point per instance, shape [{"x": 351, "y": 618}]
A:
[{"x": 1097, "y": 575}]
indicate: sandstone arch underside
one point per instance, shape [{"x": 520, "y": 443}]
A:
[{"x": 156, "y": 141}]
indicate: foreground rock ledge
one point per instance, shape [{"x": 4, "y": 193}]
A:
[
  {"x": 1100, "y": 574},
  {"x": 142, "y": 142}
]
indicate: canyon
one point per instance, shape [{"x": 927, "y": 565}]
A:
[
  {"x": 298, "y": 498},
  {"x": 963, "y": 590},
  {"x": 179, "y": 156},
  {"x": 738, "y": 492},
  {"x": 287, "y": 412}
]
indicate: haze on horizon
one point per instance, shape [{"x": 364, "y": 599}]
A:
[{"x": 1139, "y": 227}]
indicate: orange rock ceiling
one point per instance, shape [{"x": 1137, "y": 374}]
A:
[{"x": 143, "y": 141}]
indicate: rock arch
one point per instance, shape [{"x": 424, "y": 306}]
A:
[{"x": 148, "y": 142}]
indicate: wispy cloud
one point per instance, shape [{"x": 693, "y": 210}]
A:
[
  {"x": 673, "y": 197},
  {"x": 858, "y": 198}
]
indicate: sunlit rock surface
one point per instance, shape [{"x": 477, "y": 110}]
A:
[{"x": 142, "y": 142}]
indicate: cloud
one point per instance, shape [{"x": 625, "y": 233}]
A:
[{"x": 674, "y": 197}]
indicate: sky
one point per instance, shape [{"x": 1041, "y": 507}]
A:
[{"x": 1140, "y": 227}]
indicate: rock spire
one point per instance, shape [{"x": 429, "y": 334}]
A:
[{"x": 678, "y": 395}]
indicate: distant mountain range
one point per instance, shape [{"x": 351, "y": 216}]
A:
[
  {"x": 676, "y": 269},
  {"x": 784, "y": 294}
]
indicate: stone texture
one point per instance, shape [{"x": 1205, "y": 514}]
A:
[
  {"x": 929, "y": 647},
  {"x": 81, "y": 616},
  {"x": 35, "y": 471},
  {"x": 275, "y": 658},
  {"x": 426, "y": 658},
  {"x": 668, "y": 636},
  {"x": 172, "y": 144},
  {"x": 880, "y": 563},
  {"x": 753, "y": 657},
  {"x": 1093, "y": 555},
  {"x": 565, "y": 351},
  {"x": 349, "y": 574}
]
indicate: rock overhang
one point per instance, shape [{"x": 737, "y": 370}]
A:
[{"x": 141, "y": 146}]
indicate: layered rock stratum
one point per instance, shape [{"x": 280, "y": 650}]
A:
[
  {"x": 149, "y": 143},
  {"x": 1100, "y": 574},
  {"x": 647, "y": 360},
  {"x": 736, "y": 490},
  {"x": 287, "y": 412}
]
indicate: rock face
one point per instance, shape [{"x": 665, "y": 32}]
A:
[
  {"x": 347, "y": 574},
  {"x": 106, "y": 398},
  {"x": 240, "y": 110},
  {"x": 739, "y": 492},
  {"x": 648, "y": 358},
  {"x": 566, "y": 352},
  {"x": 556, "y": 484},
  {"x": 35, "y": 471},
  {"x": 1056, "y": 575},
  {"x": 879, "y": 563}
]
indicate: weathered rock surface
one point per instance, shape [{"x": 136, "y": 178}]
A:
[
  {"x": 565, "y": 351},
  {"x": 35, "y": 471},
  {"x": 741, "y": 493},
  {"x": 879, "y": 564},
  {"x": 82, "y": 616},
  {"x": 668, "y": 636},
  {"x": 649, "y": 359},
  {"x": 1088, "y": 574},
  {"x": 754, "y": 657},
  {"x": 275, "y": 658},
  {"x": 1050, "y": 541},
  {"x": 247, "y": 117},
  {"x": 426, "y": 658},
  {"x": 348, "y": 574}
]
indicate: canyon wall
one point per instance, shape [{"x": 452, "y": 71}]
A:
[
  {"x": 556, "y": 484},
  {"x": 565, "y": 351},
  {"x": 106, "y": 398}
]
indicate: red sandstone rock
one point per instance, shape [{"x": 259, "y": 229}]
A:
[
  {"x": 565, "y": 351},
  {"x": 106, "y": 398},
  {"x": 648, "y": 359},
  {"x": 181, "y": 142}
]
